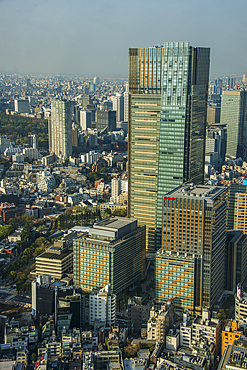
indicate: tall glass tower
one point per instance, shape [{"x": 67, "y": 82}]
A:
[
  {"x": 234, "y": 115},
  {"x": 168, "y": 87}
]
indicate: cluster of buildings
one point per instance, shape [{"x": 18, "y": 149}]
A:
[{"x": 188, "y": 226}]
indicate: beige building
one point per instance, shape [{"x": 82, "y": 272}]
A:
[
  {"x": 57, "y": 260},
  {"x": 160, "y": 322}
]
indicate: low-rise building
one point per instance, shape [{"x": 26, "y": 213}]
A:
[
  {"x": 160, "y": 322},
  {"x": 230, "y": 333}
]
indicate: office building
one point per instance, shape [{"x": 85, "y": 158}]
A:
[
  {"x": 112, "y": 252},
  {"x": 33, "y": 141},
  {"x": 216, "y": 137},
  {"x": 74, "y": 135},
  {"x": 102, "y": 307},
  {"x": 105, "y": 120},
  {"x": 236, "y": 259},
  {"x": 213, "y": 115},
  {"x": 85, "y": 119},
  {"x": 60, "y": 128},
  {"x": 57, "y": 261},
  {"x": 168, "y": 87},
  {"x": 85, "y": 101},
  {"x": 240, "y": 304},
  {"x": 126, "y": 103},
  {"x": 118, "y": 106},
  {"x": 237, "y": 210},
  {"x": 4, "y": 143},
  {"x": 234, "y": 115},
  {"x": 190, "y": 266},
  {"x": 22, "y": 106}
]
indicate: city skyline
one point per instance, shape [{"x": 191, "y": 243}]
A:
[{"x": 93, "y": 39}]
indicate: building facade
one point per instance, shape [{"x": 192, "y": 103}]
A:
[
  {"x": 190, "y": 266},
  {"x": 112, "y": 252},
  {"x": 102, "y": 307},
  {"x": 234, "y": 115},
  {"x": 60, "y": 128},
  {"x": 237, "y": 201},
  {"x": 167, "y": 120}
]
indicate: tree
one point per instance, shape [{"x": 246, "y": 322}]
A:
[
  {"x": 12, "y": 275},
  {"x": 33, "y": 357}
]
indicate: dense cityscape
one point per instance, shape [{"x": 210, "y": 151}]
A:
[{"x": 123, "y": 217}]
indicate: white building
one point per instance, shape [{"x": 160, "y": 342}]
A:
[
  {"x": 200, "y": 329},
  {"x": 126, "y": 103},
  {"x": 102, "y": 307},
  {"x": 118, "y": 186},
  {"x": 85, "y": 119},
  {"x": 90, "y": 158},
  {"x": 31, "y": 153},
  {"x": 45, "y": 181},
  {"x": 11, "y": 151},
  {"x": 18, "y": 158},
  {"x": 118, "y": 106}
]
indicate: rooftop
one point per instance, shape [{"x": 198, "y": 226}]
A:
[{"x": 191, "y": 190}]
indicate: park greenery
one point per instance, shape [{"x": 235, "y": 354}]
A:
[
  {"x": 78, "y": 217},
  {"x": 30, "y": 246},
  {"x": 17, "y": 128}
]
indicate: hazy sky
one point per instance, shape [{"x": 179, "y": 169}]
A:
[{"x": 93, "y": 37}]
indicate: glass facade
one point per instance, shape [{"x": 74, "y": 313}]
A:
[
  {"x": 174, "y": 77},
  {"x": 97, "y": 263},
  {"x": 194, "y": 228},
  {"x": 234, "y": 115}
]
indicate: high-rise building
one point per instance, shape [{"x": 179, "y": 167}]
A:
[
  {"x": 33, "y": 141},
  {"x": 106, "y": 120},
  {"x": 85, "y": 119},
  {"x": 190, "y": 266},
  {"x": 237, "y": 207},
  {"x": 234, "y": 115},
  {"x": 126, "y": 103},
  {"x": 118, "y": 106},
  {"x": 112, "y": 252},
  {"x": 102, "y": 307},
  {"x": 168, "y": 87},
  {"x": 61, "y": 128},
  {"x": 22, "y": 106},
  {"x": 236, "y": 259}
]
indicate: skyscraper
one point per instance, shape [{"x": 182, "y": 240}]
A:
[
  {"x": 60, "y": 128},
  {"x": 234, "y": 115},
  {"x": 190, "y": 266},
  {"x": 167, "y": 119},
  {"x": 118, "y": 106}
]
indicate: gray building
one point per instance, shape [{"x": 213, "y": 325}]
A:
[
  {"x": 22, "y": 106},
  {"x": 234, "y": 115},
  {"x": 105, "y": 120},
  {"x": 60, "y": 129}
]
